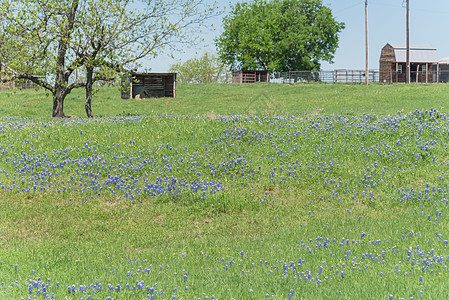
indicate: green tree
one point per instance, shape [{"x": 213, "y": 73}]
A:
[
  {"x": 89, "y": 35},
  {"x": 10, "y": 53},
  {"x": 118, "y": 34},
  {"x": 279, "y": 35},
  {"x": 44, "y": 32},
  {"x": 205, "y": 69}
]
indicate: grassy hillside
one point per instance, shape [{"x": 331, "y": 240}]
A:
[
  {"x": 302, "y": 192},
  {"x": 260, "y": 99}
]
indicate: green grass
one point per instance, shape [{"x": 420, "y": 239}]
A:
[
  {"x": 258, "y": 99},
  {"x": 286, "y": 172}
]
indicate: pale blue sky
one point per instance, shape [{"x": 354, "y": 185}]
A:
[{"x": 429, "y": 24}]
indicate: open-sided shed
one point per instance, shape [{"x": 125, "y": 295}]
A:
[
  {"x": 148, "y": 85},
  {"x": 250, "y": 76}
]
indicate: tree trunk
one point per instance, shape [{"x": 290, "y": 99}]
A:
[
  {"x": 89, "y": 80},
  {"x": 58, "y": 103},
  {"x": 62, "y": 76}
]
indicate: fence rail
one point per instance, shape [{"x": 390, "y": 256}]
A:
[{"x": 358, "y": 76}]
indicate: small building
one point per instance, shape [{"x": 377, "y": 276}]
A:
[
  {"x": 393, "y": 58},
  {"x": 250, "y": 76},
  {"x": 148, "y": 85}
]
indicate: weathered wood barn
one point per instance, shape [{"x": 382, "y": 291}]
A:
[
  {"x": 392, "y": 63},
  {"x": 250, "y": 76},
  {"x": 148, "y": 85}
]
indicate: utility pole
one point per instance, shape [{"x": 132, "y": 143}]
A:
[
  {"x": 366, "y": 42},
  {"x": 407, "y": 70}
]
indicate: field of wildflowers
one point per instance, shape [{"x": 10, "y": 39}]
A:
[{"x": 221, "y": 206}]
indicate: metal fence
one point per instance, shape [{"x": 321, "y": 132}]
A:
[
  {"x": 358, "y": 76},
  {"x": 336, "y": 76},
  {"x": 344, "y": 76}
]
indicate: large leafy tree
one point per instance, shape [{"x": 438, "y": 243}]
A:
[
  {"x": 42, "y": 31},
  {"x": 63, "y": 36},
  {"x": 279, "y": 35}
]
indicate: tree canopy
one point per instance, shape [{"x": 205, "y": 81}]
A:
[{"x": 279, "y": 35}]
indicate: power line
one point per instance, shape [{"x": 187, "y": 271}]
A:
[{"x": 404, "y": 5}]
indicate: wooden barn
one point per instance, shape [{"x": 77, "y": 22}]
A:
[
  {"x": 148, "y": 85},
  {"x": 250, "y": 76},
  {"x": 393, "y": 58}
]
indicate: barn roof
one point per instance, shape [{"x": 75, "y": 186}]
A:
[{"x": 419, "y": 53}]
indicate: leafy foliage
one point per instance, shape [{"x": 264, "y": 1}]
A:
[
  {"x": 205, "y": 69},
  {"x": 279, "y": 35},
  {"x": 59, "y": 37}
]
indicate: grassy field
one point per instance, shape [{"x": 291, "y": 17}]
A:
[
  {"x": 259, "y": 99},
  {"x": 228, "y": 191}
]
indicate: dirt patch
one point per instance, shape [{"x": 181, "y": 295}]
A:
[{"x": 158, "y": 219}]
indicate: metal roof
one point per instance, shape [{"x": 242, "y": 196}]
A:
[{"x": 419, "y": 53}]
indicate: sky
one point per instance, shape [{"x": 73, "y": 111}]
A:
[{"x": 429, "y": 24}]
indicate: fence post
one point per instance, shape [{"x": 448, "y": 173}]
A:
[
  {"x": 417, "y": 74},
  {"x": 438, "y": 73}
]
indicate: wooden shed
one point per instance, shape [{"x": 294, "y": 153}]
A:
[
  {"x": 392, "y": 63},
  {"x": 148, "y": 85},
  {"x": 250, "y": 76}
]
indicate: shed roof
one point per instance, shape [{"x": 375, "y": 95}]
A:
[
  {"x": 257, "y": 71},
  {"x": 151, "y": 74},
  {"x": 419, "y": 53}
]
